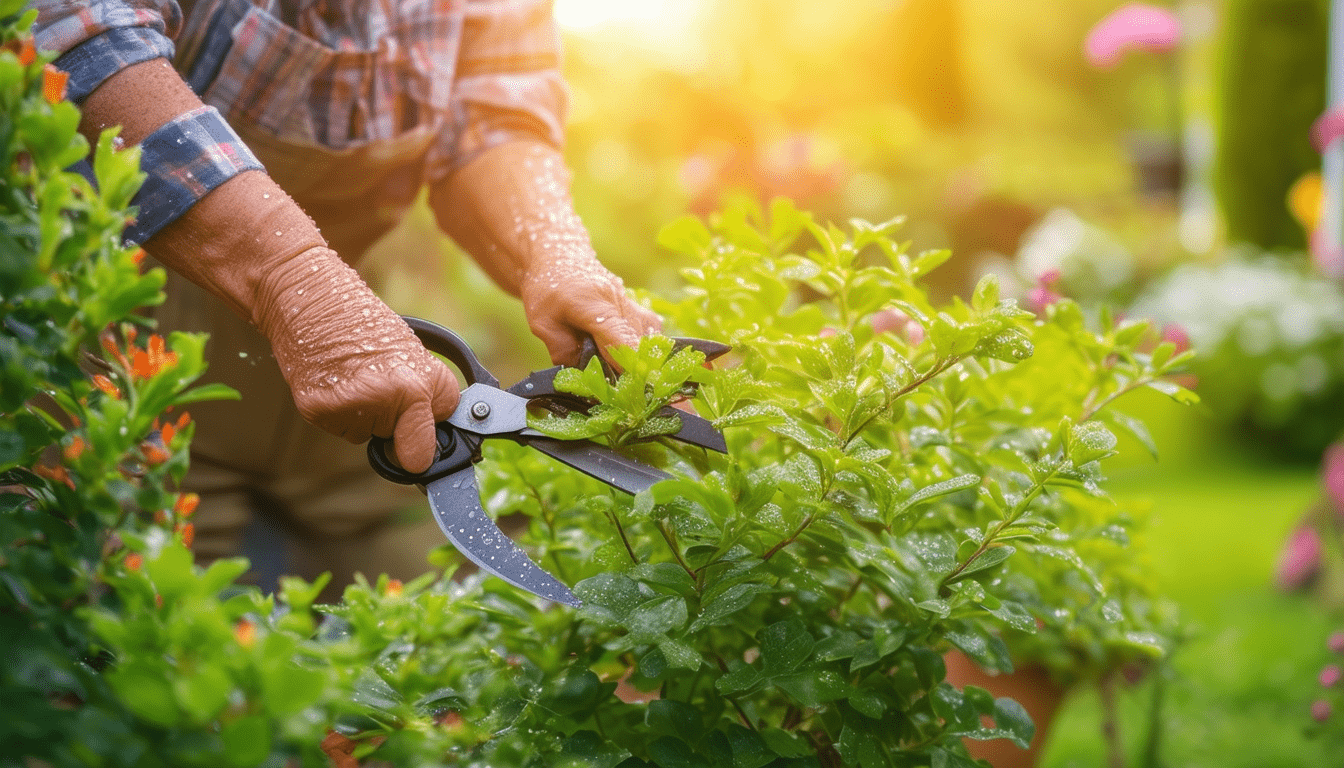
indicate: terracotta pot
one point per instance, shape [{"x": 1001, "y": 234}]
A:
[{"x": 1031, "y": 687}]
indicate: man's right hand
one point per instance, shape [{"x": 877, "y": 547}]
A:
[{"x": 355, "y": 368}]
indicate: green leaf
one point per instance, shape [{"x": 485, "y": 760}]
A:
[
  {"x": 1091, "y": 441},
  {"x": 1175, "y": 392},
  {"x": 937, "y": 490},
  {"x": 247, "y": 741},
  {"x": 1011, "y": 721},
  {"x": 670, "y": 752},
  {"x": 687, "y": 235},
  {"x": 813, "y": 687},
  {"x": 729, "y": 602},
  {"x": 668, "y": 717},
  {"x": 291, "y": 688},
  {"x": 784, "y": 646},
  {"x": 785, "y": 744},
  {"x": 203, "y": 692},
  {"x": 987, "y": 559},
  {"x": 172, "y": 571},
  {"x": 143, "y": 686}
]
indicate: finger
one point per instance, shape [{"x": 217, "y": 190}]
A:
[
  {"x": 413, "y": 439},
  {"x": 445, "y": 392},
  {"x": 561, "y": 341}
]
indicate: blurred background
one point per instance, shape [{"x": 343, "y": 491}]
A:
[{"x": 1156, "y": 158}]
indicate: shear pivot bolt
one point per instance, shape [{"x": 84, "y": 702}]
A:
[{"x": 480, "y": 410}]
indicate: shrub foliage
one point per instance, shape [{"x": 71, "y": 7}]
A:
[{"x": 901, "y": 479}]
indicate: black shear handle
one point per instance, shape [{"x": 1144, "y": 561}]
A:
[
  {"x": 455, "y": 449},
  {"x": 442, "y": 341}
]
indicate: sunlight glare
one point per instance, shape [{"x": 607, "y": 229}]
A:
[{"x": 576, "y": 14}]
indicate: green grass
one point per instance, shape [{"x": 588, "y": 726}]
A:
[{"x": 1239, "y": 688}]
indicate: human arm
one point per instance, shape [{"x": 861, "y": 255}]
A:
[
  {"x": 499, "y": 186},
  {"x": 510, "y": 208},
  {"x": 355, "y": 369}
]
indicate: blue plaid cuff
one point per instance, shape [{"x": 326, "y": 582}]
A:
[
  {"x": 98, "y": 58},
  {"x": 184, "y": 160}
]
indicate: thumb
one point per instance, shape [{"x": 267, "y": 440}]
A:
[{"x": 413, "y": 438}]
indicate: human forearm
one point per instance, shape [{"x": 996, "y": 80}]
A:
[
  {"x": 354, "y": 367},
  {"x": 511, "y": 210}
]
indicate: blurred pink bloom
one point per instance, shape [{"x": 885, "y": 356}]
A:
[
  {"x": 1320, "y": 710},
  {"x": 1137, "y": 26},
  {"x": 1300, "y": 559},
  {"x": 1043, "y": 295},
  {"x": 1327, "y": 128},
  {"x": 1332, "y": 474},
  {"x": 1176, "y": 335},
  {"x": 1327, "y": 256},
  {"x": 897, "y": 322},
  {"x": 1336, "y": 642},
  {"x": 1330, "y": 676}
]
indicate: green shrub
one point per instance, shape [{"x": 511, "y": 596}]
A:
[{"x": 901, "y": 479}]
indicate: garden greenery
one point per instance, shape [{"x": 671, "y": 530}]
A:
[{"x": 902, "y": 479}]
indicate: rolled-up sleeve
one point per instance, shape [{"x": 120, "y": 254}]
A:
[
  {"x": 508, "y": 84},
  {"x": 97, "y": 39}
]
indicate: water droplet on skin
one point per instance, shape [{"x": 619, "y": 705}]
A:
[
  {"x": 265, "y": 195},
  {"x": 299, "y": 291},
  {"x": 600, "y": 320}
]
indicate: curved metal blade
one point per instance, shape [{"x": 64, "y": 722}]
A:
[
  {"x": 456, "y": 502},
  {"x": 600, "y": 462}
]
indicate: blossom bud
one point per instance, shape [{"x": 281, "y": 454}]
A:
[{"x": 1320, "y": 710}]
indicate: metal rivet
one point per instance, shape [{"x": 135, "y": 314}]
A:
[{"x": 480, "y": 410}]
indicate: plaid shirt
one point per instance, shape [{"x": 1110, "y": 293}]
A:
[{"x": 339, "y": 73}]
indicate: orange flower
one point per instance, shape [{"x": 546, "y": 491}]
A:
[
  {"x": 245, "y": 632},
  {"x": 27, "y": 52},
  {"x": 154, "y": 454},
  {"x": 183, "y": 421},
  {"x": 102, "y": 382},
  {"x": 74, "y": 449},
  {"x": 188, "y": 532},
  {"x": 53, "y": 84},
  {"x": 148, "y": 362},
  {"x": 167, "y": 432},
  {"x": 134, "y": 561},
  {"x": 110, "y": 346},
  {"x": 394, "y": 587},
  {"x": 54, "y": 473},
  {"x": 186, "y": 503},
  {"x": 138, "y": 257}
]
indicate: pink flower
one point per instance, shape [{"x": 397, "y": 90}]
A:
[
  {"x": 1137, "y": 26},
  {"x": 1044, "y": 294},
  {"x": 1336, "y": 642},
  {"x": 1332, "y": 475},
  {"x": 1176, "y": 335},
  {"x": 1330, "y": 676},
  {"x": 1300, "y": 559},
  {"x": 1320, "y": 710},
  {"x": 897, "y": 322}
]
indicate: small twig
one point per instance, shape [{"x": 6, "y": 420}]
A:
[
  {"x": 1110, "y": 723},
  {"x": 938, "y": 367},
  {"x": 671, "y": 539}
]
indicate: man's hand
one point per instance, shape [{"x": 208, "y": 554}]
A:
[
  {"x": 355, "y": 368},
  {"x": 575, "y": 296},
  {"x": 510, "y": 209}
]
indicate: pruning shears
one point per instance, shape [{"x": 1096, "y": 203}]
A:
[{"x": 487, "y": 411}]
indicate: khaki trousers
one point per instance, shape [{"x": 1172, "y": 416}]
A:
[{"x": 296, "y": 499}]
